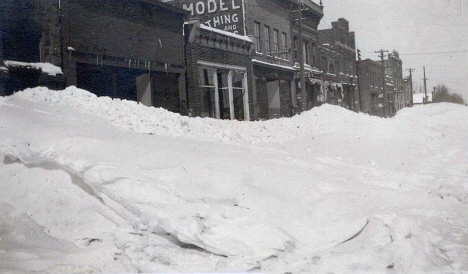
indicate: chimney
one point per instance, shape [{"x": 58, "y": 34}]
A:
[{"x": 344, "y": 24}]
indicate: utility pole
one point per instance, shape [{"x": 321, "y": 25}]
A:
[
  {"x": 383, "y": 81},
  {"x": 411, "y": 83},
  {"x": 359, "y": 79},
  {"x": 425, "y": 86},
  {"x": 61, "y": 34},
  {"x": 301, "y": 61}
]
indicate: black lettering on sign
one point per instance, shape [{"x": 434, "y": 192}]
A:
[{"x": 221, "y": 14}]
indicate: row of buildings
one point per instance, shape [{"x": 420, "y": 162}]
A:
[{"x": 225, "y": 59}]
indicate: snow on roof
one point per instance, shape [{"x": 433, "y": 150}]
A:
[
  {"x": 308, "y": 68},
  {"x": 273, "y": 65},
  {"x": 44, "y": 67},
  {"x": 226, "y": 33},
  {"x": 418, "y": 98}
]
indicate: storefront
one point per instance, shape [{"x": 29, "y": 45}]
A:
[
  {"x": 275, "y": 89},
  {"x": 218, "y": 74}
]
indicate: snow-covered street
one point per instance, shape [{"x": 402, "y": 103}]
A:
[{"x": 94, "y": 185}]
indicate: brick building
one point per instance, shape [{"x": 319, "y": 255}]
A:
[
  {"x": 338, "y": 62},
  {"x": 395, "y": 82},
  {"x": 25, "y": 28},
  {"x": 311, "y": 15},
  {"x": 117, "y": 48},
  {"x": 219, "y": 71},
  {"x": 272, "y": 26},
  {"x": 371, "y": 83},
  {"x": 408, "y": 86}
]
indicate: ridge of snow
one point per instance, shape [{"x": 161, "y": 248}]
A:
[
  {"x": 150, "y": 120},
  {"x": 47, "y": 68},
  {"x": 272, "y": 65},
  {"x": 226, "y": 33}
]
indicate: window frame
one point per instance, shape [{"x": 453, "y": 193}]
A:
[
  {"x": 267, "y": 39},
  {"x": 305, "y": 51},
  {"x": 257, "y": 36},
  {"x": 276, "y": 43},
  {"x": 284, "y": 44}
]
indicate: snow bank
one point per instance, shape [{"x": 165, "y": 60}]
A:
[
  {"x": 100, "y": 185},
  {"x": 47, "y": 68},
  {"x": 150, "y": 120}
]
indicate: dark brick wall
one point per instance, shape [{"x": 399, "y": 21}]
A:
[
  {"x": 369, "y": 69},
  {"x": 343, "y": 42},
  {"x": 276, "y": 15},
  {"x": 134, "y": 29}
]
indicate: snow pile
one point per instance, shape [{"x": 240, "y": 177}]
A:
[
  {"x": 47, "y": 68},
  {"x": 150, "y": 120},
  {"x": 327, "y": 191}
]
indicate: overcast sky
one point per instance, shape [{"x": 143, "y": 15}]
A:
[{"x": 431, "y": 33}]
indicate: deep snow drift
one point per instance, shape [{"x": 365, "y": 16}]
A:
[{"x": 92, "y": 185}]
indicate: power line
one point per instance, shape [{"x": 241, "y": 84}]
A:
[
  {"x": 425, "y": 53},
  {"x": 440, "y": 52}
]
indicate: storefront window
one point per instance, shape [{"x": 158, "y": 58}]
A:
[
  {"x": 206, "y": 83},
  {"x": 225, "y": 93}
]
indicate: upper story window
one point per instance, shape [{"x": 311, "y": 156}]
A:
[
  {"x": 258, "y": 46},
  {"x": 331, "y": 68},
  {"x": 295, "y": 49},
  {"x": 275, "y": 40},
  {"x": 314, "y": 60},
  {"x": 305, "y": 52},
  {"x": 284, "y": 44},
  {"x": 267, "y": 39}
]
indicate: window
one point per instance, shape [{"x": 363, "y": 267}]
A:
[
  {"x": 305, "y": 51},
  {"x": 225, "y": 92},
  {"x": 295, "y": 49},
  {"x": 258, "y": 46},
  {"x": 331, "y": 68},
  {"x": 284, "y": 44},
  {"x": 206, "y": 83},
  {"x": 267, "y": 39},
  {"x": 275, "y": 40},
  {"x": 314, "y": 61}
]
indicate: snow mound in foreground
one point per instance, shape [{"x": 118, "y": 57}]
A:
[{"x": 343, "y": 192}]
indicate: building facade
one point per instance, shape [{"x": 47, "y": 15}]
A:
[
  {"x": 314, "y": 93},
  {"x": 273, "y": 27},
  {"x": 395, "y": 83},
  {"x": 408, "y": 88},
  {"x": 371, "y": 84},
  {"x": 338, "y": 63},
  {"x": 24, "y": 37},
  {"x": 118, "y": 48},
  {"x": 219, "y": 71},
  {"x": 268, "y": 25}
]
